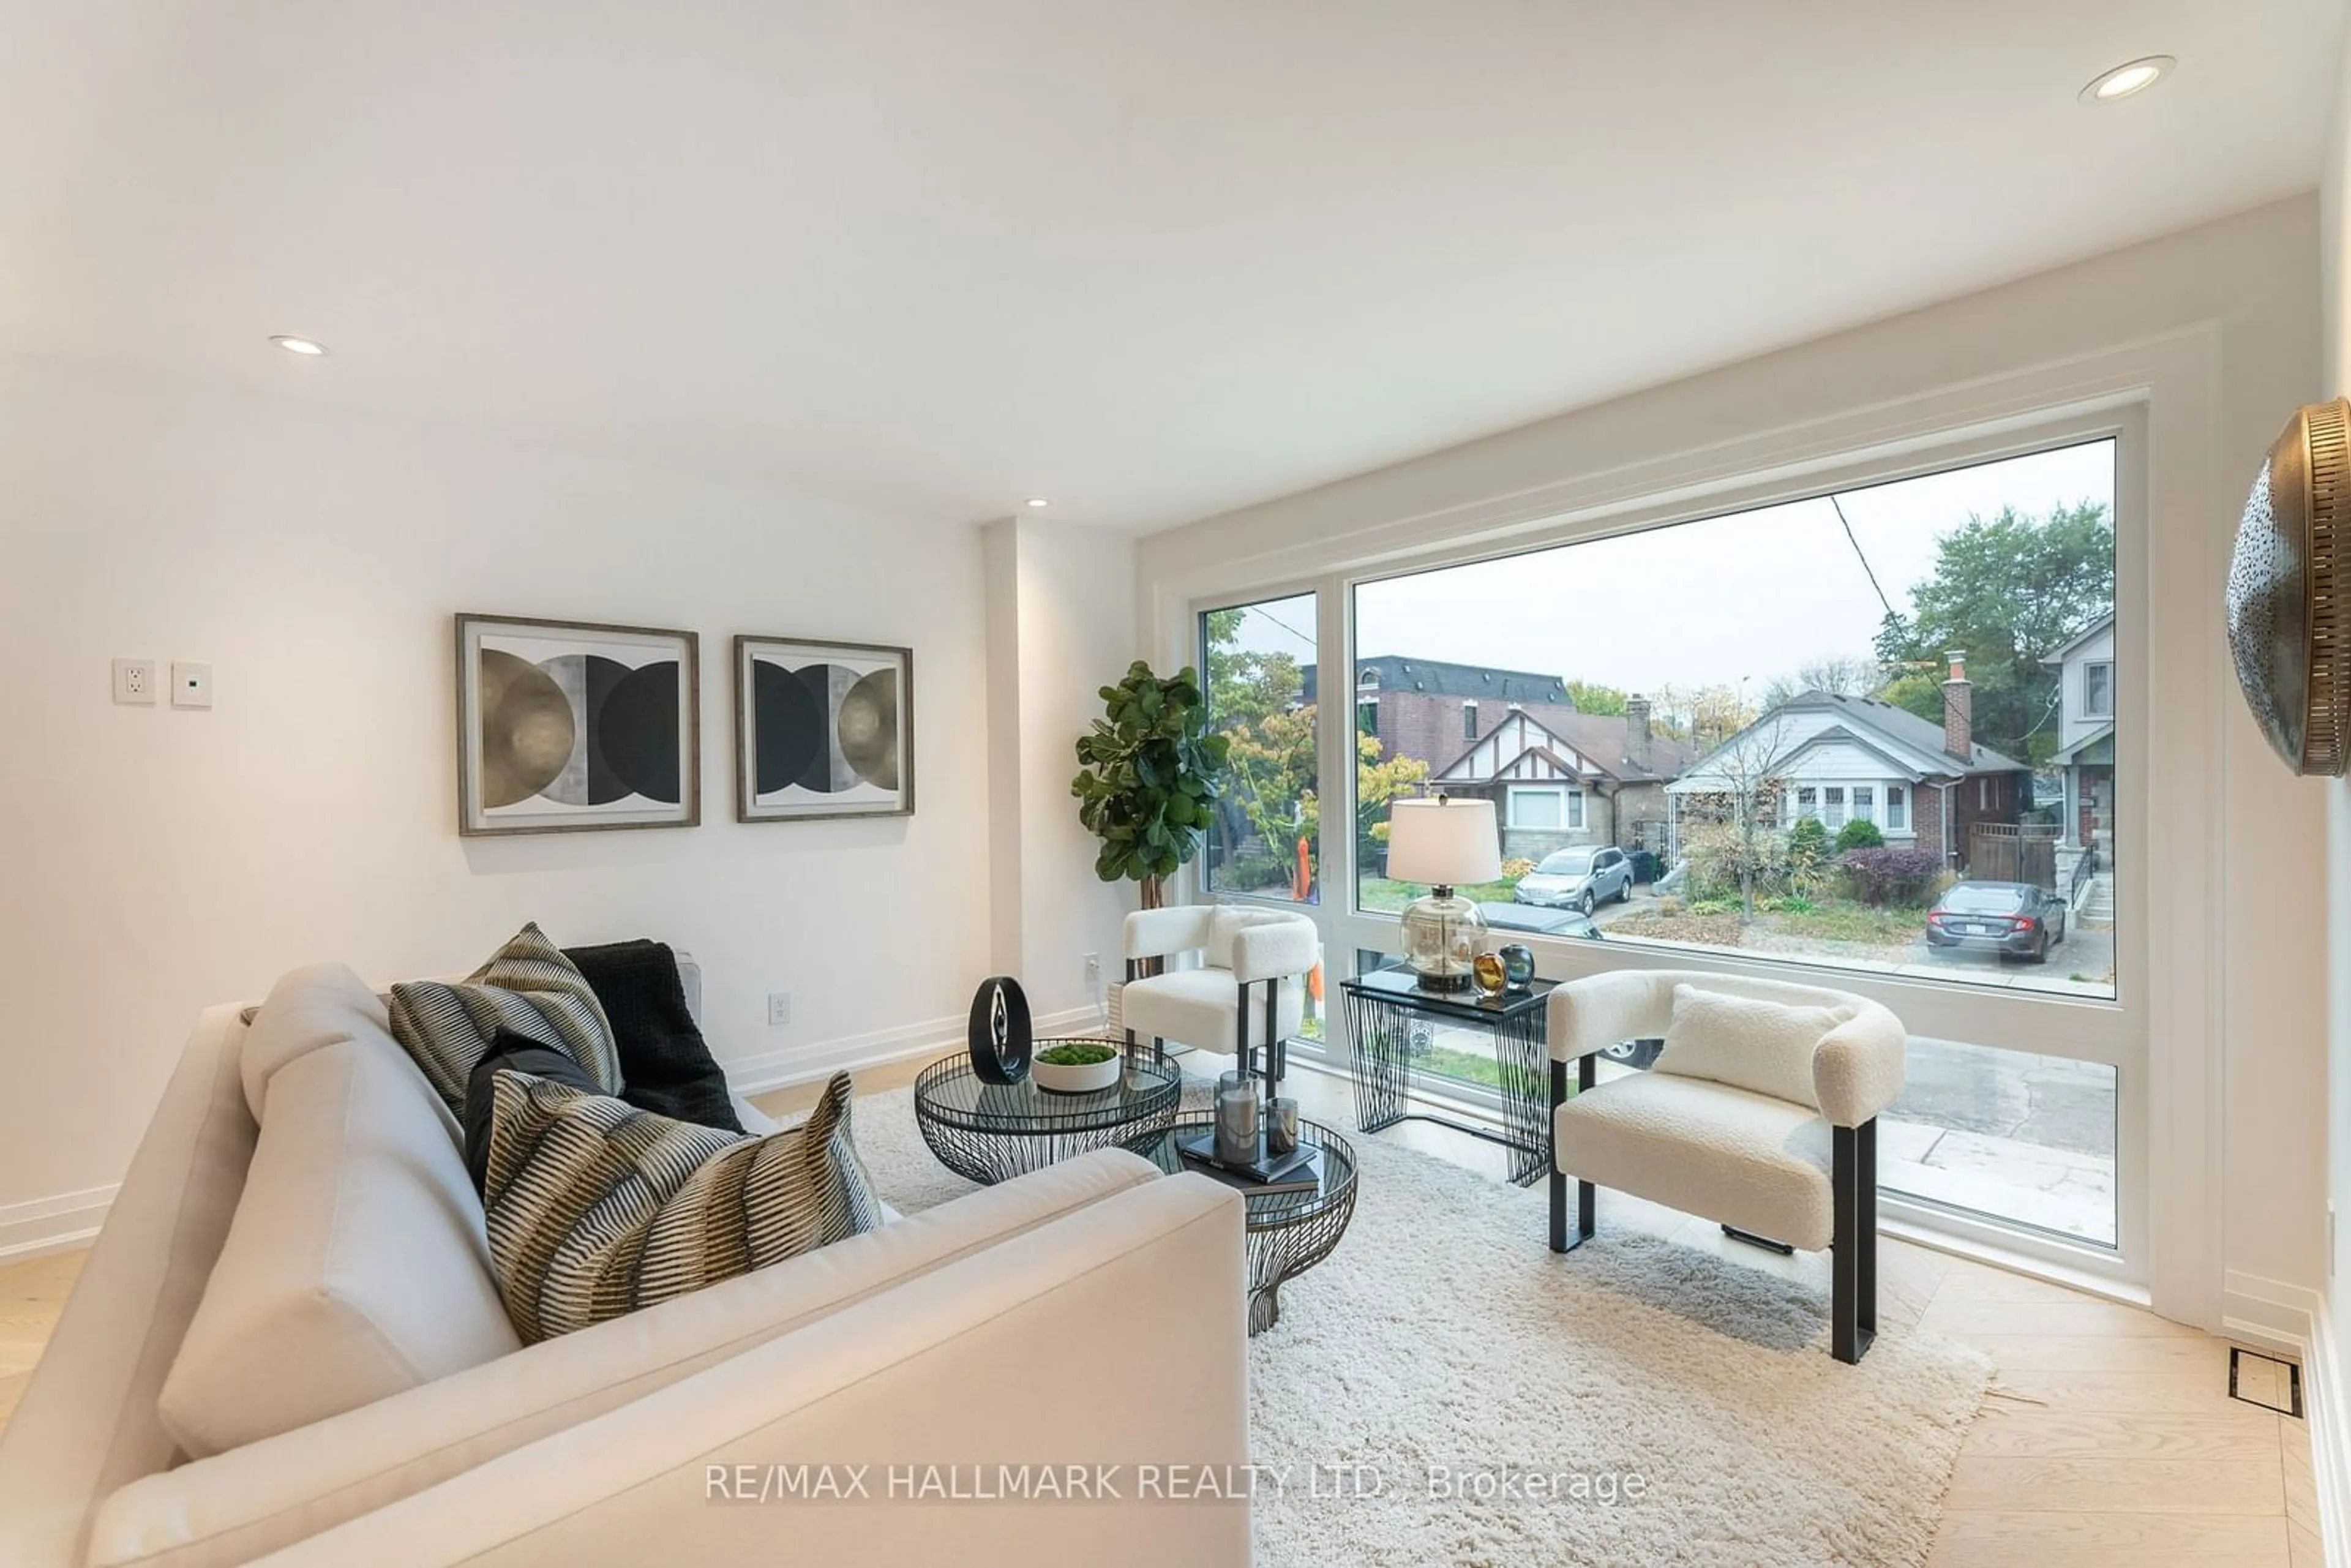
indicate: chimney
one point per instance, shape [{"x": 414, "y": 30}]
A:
[
  {"x": 1637, "y": 732},
  {"x": 1959, "y": 708}
]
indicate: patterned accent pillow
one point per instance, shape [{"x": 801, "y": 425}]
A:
[
  {"x": 528, "y": 986},
  {"x": 596, "y": 1208}
]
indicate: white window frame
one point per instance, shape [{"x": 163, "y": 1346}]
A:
[
  {"x": 1833, "y": 807},
  {"x": 1575, "y": 813},
  {"x": 1516, "y": 793},
  {"x": 2092, "y": 709},
  {"x": 1897, "y": 804},
  {"x": 2161, "y": 1032},
  {"x": 1865, "y": 803}
]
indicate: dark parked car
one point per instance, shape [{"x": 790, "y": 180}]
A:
[{"x": 2013, "y": 919}]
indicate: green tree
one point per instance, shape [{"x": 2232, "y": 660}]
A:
[
  {"x": 1591, "y": 696},
  {"x": 2008, "y": 591},
  {"x": 1378, "y": 784}
]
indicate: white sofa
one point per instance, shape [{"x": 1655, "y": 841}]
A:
[
  {"x": 1793, "y": 1167},
  {"x": 954, "y": 1337}
]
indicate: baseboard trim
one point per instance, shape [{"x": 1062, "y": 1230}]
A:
[
  {"x": 782, "y": 1069},
  {"x": 58, "y": 1223},
  {"x": 2323, "y": 1392},
  {"x": 2269, "y": 1314}
]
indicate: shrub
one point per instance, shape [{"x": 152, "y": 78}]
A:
[
  {"x": 1858, "y": 834},
  {"x": 1516, "y": 867},
  {"x": 1721, "y": 860},
  {"x": 1892, "y": 876},
  {"x": 1808, "y": 837}
]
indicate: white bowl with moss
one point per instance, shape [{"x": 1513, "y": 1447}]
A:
[{"x": 1076, "y": 1067}]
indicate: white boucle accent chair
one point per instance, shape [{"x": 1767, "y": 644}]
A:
[
  {"x": 1208, "y": 1008},
  {"x": 1802, "y": 1174}
]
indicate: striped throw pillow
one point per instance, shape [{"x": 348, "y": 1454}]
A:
[
  {"x": 528, "y": 986},
  {"x": 596, "y": 1208}
]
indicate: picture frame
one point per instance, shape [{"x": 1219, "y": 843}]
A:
[
  {"x": 568, "y": 726},
  {"x": 823, "y": 729}
]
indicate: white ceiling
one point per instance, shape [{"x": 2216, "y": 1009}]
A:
[{"x": 1150, "y": 259}]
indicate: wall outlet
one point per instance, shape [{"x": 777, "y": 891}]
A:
[
  {"x": 135, "y": 681},
  {"x": 779, "y": 1008},
  {"x": 192, "y": 685}
]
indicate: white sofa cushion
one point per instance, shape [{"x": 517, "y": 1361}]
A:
[
  {"x": 1198, "y": 1006},
  {"x": 255, "y": 1499},
  {"x": 356, "y": 1266},
  {"x": 1727, "y": 1155},
  {"x": 1746, "y": 1041}
]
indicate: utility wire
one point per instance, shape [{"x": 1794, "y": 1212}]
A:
[{"x": 1863, "y": 559}]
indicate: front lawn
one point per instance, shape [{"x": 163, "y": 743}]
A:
[
  {"x": 1717, "y": 923},
  {"x": 1381, "y": 895}
]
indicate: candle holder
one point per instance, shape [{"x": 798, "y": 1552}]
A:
[{"x": 1237, "y": 1120}]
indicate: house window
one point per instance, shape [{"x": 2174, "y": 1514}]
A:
[
  {"x": 1808, "y": 803},
  {"x": 1367, "y": 718},
  {"x": 1575, "y": 809},
  {"x": 1468, "y": 721},
  {"x": 1545, "y": 807},
  {"x": 1897, "y": 808},
  {"x": 1865, "y": 803},
  {"x": 2098, "y": 690},
  {"x": 1983, "y": 791},
  {"x": 1832, "y": 807}
]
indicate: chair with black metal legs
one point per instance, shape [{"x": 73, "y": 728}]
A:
[
  {"x": 1247, "y": 995},
  {"x": 1759, "y": 1114}
]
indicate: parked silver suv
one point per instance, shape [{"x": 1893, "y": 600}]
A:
[{"x": 1578, "y": 879}]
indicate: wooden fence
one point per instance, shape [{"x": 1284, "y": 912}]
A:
[{"x": 2012, "y": 851}]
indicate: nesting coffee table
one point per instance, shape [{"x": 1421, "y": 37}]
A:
[
  {"x": 1289, "y": 1232},
  {"x": 989, "y": 1133}
]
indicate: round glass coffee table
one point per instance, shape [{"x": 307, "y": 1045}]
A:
[
  {"x": 991, "y": 1133},
  {"x": 1290, "y": 1232}
]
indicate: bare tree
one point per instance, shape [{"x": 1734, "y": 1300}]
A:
[
  {"x": 1841, "y": 675},
  {"x": 1750, "y": 768}
]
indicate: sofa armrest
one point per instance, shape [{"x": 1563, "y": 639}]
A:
[
  {"x": 1858, "y": 1066},
  {"x": 237, "y": 1505},
  {"x": 1163, "y": 933},
  {"x": 1111, "y": 1340},
  {"x": 1590, "y": 1015}
]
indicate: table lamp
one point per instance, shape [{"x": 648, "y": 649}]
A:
[{"x": 1444, "y": 842}]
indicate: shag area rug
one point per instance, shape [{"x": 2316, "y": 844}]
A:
[{"x": 1669, "y": 1407}]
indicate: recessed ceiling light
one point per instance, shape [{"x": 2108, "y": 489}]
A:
[
  {"x": 2125, "y": 79},
  {"x": 1038, "y": 501},
  {"x": 294, "y": 345}
]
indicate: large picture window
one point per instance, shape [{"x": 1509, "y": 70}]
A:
[
  {"x": 1258, "y": 663},
  {"x": 1813, "y": 725}
]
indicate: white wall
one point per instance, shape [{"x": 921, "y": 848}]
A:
[
  {"x": 1074, "y": 633},
  {"x": 2334, "y": 380},
  {"x": 156, "y": 861},
  {"x": 2249, "y": 906}
]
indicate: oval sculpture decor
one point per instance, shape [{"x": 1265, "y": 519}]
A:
[
  {"x": 1000, "y": 1037},
  {"x": 2289, "y": 626}
]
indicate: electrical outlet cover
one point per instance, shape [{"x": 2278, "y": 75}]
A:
[{"x": 135, "y": 681}]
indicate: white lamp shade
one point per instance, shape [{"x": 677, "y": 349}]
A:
[{"x": 1444, "y": 843}]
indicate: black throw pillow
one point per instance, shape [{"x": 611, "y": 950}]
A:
[
  {"x": 514, "y": 1054},
  {"x": 665, "y": 1068}
]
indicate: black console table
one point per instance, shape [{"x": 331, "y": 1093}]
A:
[{"x": 1385, "y": 1008}]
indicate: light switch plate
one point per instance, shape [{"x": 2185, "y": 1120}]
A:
[
  {"x": 192, "y": 685},
  {"x": 135, "y": 681}
]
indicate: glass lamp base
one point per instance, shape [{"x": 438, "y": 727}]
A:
[{"x": 1442, "y": 933}]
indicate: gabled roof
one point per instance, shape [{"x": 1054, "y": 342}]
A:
[
  {"x": 2059, "y": 655},
  {"x": 1598, "y": 737},
  {"x": 2103, "y": 733},
  {"x": 1901, "y": 736}
]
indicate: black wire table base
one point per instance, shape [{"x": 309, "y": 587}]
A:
[
  {"x": 1288, "y": 1233},
  {"x": 992, "y": 1132},
  {"x": 1386, "y": 1033}
]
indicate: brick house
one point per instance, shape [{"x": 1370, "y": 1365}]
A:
[
  {"x": 1435, "y": 711},
  {"x": 1837, "y": 758},
  {"x": 1573, "y": 779}
]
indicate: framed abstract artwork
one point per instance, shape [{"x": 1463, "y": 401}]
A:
[
  {"x": 822, "y": 729},
  {"x": 565, "y": 727}
]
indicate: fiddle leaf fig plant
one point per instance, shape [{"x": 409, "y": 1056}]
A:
[{"x": 1149, "y": 774}]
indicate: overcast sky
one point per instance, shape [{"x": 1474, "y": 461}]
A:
[{"x": 1756, "y": 593}]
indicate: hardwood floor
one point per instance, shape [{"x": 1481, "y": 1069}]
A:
[{"x": 2109, "y": 1436}]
